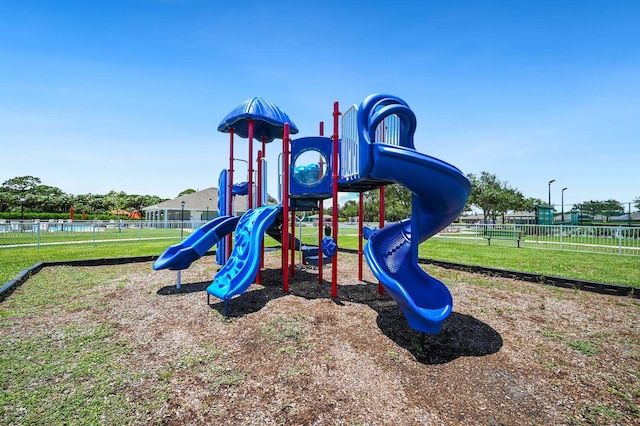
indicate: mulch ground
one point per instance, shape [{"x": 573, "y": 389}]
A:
[{"x": 512, "y": 352}]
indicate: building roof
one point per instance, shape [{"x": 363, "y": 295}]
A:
[
  {"x": 199, "y": 200},
  {"x": 624, "y": 217},
  {"x": 521, "y": 214}
]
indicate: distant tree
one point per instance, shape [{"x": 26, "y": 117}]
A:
[
  {"x": 636, "y": 203},
  {"x": 16, "y": 189},
  {"x": 21, "y": 185},
  {"x": 493, "y": 196},
  {"x": 349, "y": 209},
  {"x": 612, "y": 208},
  {"x": 186, "y": 191},
  {"x": 50, "y": 199},
  {"x": 397, "y": 202},
  {"x": 594, "y": 208},
  {"x": 372, "y": 205}
]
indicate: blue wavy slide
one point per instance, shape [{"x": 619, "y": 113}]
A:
[
  {"x": 180, "y": 256},
  {"x": 440, "y": 192},
  {"x": 242, "y": 267}
]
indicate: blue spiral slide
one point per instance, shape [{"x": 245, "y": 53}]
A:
[
  {"x": 242, "y": 267},
  {"x": 180, "y": 256},
  {"x": 440, "y": 191}
]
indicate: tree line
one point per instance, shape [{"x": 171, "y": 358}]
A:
[
  {"x": 494, "y": 197},
  {"x": 28, "y": 196}
]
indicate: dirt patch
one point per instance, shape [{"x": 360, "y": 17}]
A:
[{"x": 511, "y": 353}]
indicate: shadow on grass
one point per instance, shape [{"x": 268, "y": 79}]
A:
[{"x": 461, "y": 335}]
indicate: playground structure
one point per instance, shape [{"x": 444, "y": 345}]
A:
[{"x": 372, "y": 148}]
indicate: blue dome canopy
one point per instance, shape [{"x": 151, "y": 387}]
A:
[{"x": 268, "y": 120}]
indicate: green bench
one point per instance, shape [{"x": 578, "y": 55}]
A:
[{"x": 503, "y": 234}]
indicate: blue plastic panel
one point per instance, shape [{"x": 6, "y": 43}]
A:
[
  {"x": 307, "y": 180},
  {"x": 268, "y": 120}
]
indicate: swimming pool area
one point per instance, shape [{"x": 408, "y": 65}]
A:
[{"x": 35, "y": 233}]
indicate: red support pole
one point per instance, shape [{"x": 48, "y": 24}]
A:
[
  {"x": 259, "y": 179},
  {"x": 381, "y": 208},
  {"x": 229, "y": 199},
  {"x": 285, "y": 209},
  {"x": 264, "y": 149},
  {"x": 360, "y": 227},
  {"x": 258, "y": 190},
  {"x": 320, "y": 226},
  {"x": 266, "y": 202},
  {"x": 293, "y": 243},
  {"x": 250, "y": 191},
  {"x": 334, "y": 267}
]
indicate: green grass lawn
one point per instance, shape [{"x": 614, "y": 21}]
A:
[
  {"x": 606, "y": 268},
  {"x": 14, "y": 260}
]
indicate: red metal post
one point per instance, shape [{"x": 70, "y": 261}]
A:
[
  {"x": 293, "y": 243},
  {"x": 258, "y": 190},
  {"x": 250, "y": 191},
  {"x": 259, "y": 179},
  {"x": 320, "y": 226},
  {"x": 381, "y": 208},
  {"x": 264, "y": 184},
  {"x": 360, "y": 225},
  {"x": 229, "y": 199},
  {"x": 285, "y": 209},
  {"x": 334, "y": 266}
]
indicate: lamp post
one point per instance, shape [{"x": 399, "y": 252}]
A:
[
  {"x": 207, "y": 216},
  {"x": 563, "y": 189},
  {"x": 182, "y": 219},
  {"x": 550, "y": 182},
  {"x": 22, "y": 200}
]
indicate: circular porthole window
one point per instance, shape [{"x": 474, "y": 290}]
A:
[{"x": 309, "y": 167}]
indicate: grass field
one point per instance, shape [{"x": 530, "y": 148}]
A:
[{"x": 606, "y": 268}]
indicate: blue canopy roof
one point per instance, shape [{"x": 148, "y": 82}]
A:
[{"x": 268, "y": 120}]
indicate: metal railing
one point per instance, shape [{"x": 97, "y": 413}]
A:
[
  {"x": 622, "y": 240},
  {"x": 28, "y": 233},
  {"x": 388, "y": 131},
  {"x": 349, "y": 150}
]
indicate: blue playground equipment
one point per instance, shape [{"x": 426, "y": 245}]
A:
[
  {"x": 240, "y": 270},
  {"x": 180, "y": 256},
  {"x": 375, "y": 148}
]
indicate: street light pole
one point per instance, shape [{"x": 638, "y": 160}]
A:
[
  {"x": 563, "y": 189},
  {"x": 550, "y": 182},
  {"x": 182, "y": 219}
]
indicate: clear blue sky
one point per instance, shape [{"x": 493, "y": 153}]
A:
[{"x": 126, "y": 95}]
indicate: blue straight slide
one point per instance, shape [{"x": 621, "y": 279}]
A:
[
  {"x": 242, "y": 267},
  {"x": 180, "y": 256},
  {"x": 440, "y": 192}
]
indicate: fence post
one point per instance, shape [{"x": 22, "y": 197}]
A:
[
  {"x": 38, "y": 225},
  {"x": 619, "y": 239},
  {"x": 561, "y": 239}
]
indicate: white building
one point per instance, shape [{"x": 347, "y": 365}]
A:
[{"x": 200, "y": 205}]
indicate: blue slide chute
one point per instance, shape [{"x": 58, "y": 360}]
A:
[
  {"x": 242, "y": 267},
  {"x": 440, "y": 192},
  {"x": 180, "y": 256}
]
